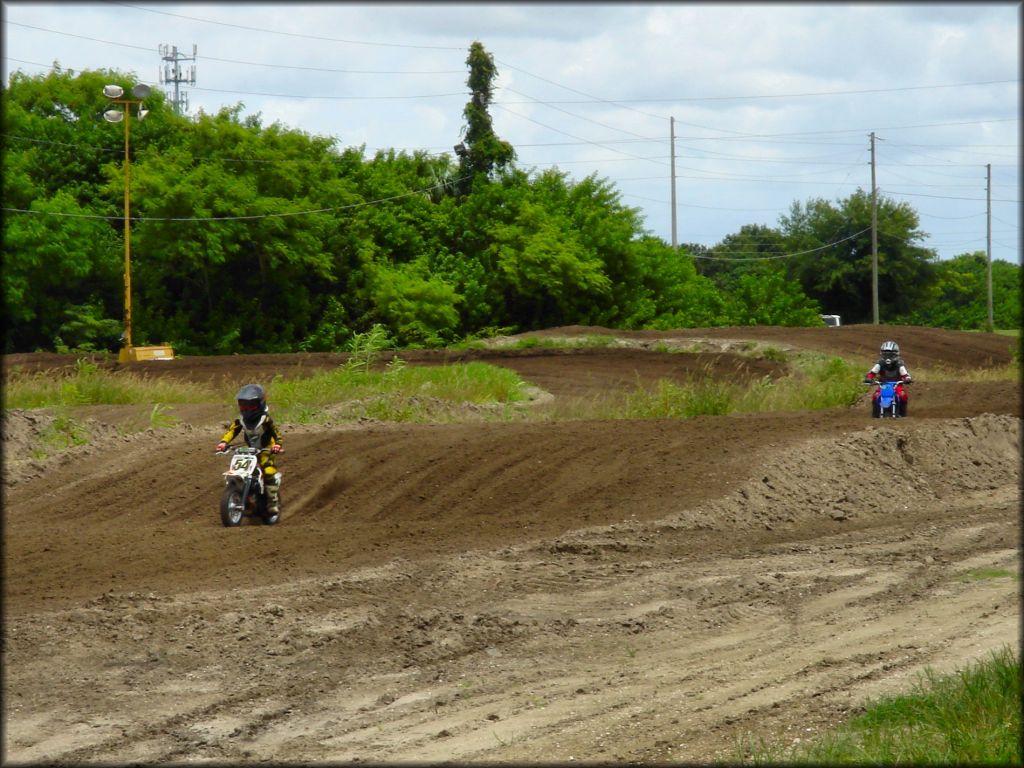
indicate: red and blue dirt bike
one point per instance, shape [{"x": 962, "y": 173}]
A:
[{"x": 888, "y": 401}]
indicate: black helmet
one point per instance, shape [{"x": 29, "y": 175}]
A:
[
  {"x": 252, "y": 405},
  {"x": 890, "y": 350}
]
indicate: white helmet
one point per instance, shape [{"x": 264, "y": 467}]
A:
[{"x": 890, "y": 350}]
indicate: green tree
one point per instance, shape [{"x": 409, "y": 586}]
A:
[
  {"x": 482, "y": 151},
  {"x": 63, "y": 262},
  {"x": 833, "y": 260},
  {"x": 739, "y": 253},
  {"x": 959, "y": 297},
  {"x": 420, "y": 308},
  {"x": 248, "y": 264},
  {"x": 672, "y": 294},
  {"x": 263, "y": 238},
  {"x": 765, "y": 296},
  {"x": 62, "y": 278}
]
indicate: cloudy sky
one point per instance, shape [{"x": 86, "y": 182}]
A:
[{"x": 770, "y": 104}]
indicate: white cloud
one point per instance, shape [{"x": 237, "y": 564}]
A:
[{"x": 746, "y": 83}]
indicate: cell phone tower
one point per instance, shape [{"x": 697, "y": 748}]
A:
[{"x": 172, "y": 72}]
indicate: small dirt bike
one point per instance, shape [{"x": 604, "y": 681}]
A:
[
  {"x": 887, "y": 404},
  {"x": 244, "y": 490}
]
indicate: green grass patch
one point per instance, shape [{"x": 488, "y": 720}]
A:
[
  {"x": 971, "y": 717},
  {"x": 1009, "y": 372},
  {"x": 774, "y": 354},
  {"x": 398, "y": 393},
  {"x": 984, "y": 574},
  {"x": 677, "y": 401},
  {"x": 362, "y": 388},
  {"x": 815, "y": 382},
  {"x": 590, "y": 341},
  {"x": 1000, "y": 331},
  {"x": 159, "y": 418},
  {"x": 88, "y": 384},
  {"x": 60, "y": 434}
]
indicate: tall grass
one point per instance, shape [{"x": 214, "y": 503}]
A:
[
  {"x": 675, "y": 401},
  {"x": 63, "y": 432},
  {"x": 816, "y": 382},
  {"x": 88, "y": 384},
  {"x": 1010, "y": 372},
  {"x": 971, "y": 717},
  {"x": 590, "y": 341},
  {"x": 398, "y": 393}
]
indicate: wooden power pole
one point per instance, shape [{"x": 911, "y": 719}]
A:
[
  {"x": 988, "y": 245},
  {"x": 874, "y": 236},
  {"x": 672, "y": 137}
]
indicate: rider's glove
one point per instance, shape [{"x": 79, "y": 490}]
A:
[
  {"x": 221, "y": 447},
  {"x": 276, "y": 448}
]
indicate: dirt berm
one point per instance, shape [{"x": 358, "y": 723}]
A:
[{"x": 548, "y": 590}]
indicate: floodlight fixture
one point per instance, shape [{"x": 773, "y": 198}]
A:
[
  {"x": 113, "y": 115},
  {"x": 113, "y": 91}
]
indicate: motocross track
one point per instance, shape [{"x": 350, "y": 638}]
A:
[{"x": 520, "y": 591}]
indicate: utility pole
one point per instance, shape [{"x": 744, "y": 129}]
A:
[
  {"x": 874, "y": 235},
  {"x": 990, "y": 326},
  {"x": 173, "y": 73},
  {"x": 672, "y": 137}
]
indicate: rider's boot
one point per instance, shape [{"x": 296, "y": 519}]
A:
[{"x": 273, "y": 497}]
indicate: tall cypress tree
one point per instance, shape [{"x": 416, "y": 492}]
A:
[{"x": 481, "y": 152}]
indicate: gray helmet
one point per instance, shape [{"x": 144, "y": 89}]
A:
[
  {"x": 252, "y": 405},
  {"x": 890, "y": 350}
]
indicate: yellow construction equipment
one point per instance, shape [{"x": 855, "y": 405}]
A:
[{"x": 135, "y": 354}]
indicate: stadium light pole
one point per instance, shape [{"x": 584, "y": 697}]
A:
[{"x": 116, "y": 95}]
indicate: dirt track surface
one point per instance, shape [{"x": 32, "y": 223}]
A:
[{"x": 626, "y": 591}]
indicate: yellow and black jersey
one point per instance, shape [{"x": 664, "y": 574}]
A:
[{"x": 264, "y": 436}]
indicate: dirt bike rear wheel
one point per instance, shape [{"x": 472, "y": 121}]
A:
[{"x": 232, "y": 505}]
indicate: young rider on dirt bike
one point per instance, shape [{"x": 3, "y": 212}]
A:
[
  {"x": 890, "y": 367},
  {"x": 260, "y": 432}
]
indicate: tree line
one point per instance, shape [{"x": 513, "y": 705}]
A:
[{"x": 254, "y": 238}]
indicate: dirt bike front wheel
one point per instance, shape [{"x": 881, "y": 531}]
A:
[{"x": 232, "y": 505}]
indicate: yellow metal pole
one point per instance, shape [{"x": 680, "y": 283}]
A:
[{"x": 128, "y": 351}]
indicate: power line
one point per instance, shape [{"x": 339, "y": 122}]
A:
[
  {"x": 785, "y": 255},
  {"x": 244, "y": 63},
  {"x": 948, "y": 197},
  {"x": 375, "y": 97},
  {"x": 802, "y": 139},
  {"x": 585, "y": 141},
  {"x": 751, "y": 97},
  {"x": 548, "y": 102},
  {"x": 295, "y": 34}
]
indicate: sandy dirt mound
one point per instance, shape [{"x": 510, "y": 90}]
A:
[{"x": 527, "y": 591}]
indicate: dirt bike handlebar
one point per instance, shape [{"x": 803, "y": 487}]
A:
[{"x": 233, "y": 448}]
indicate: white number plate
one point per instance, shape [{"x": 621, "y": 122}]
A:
[{"x": 243, "y": 463}]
